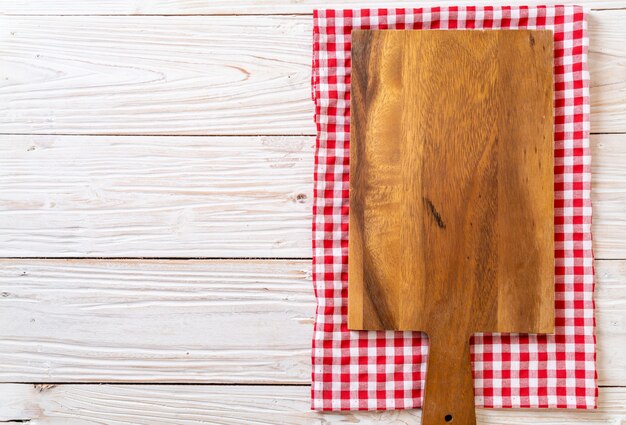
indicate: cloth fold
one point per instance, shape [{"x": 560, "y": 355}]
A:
[{"x": 370, "y": 370}]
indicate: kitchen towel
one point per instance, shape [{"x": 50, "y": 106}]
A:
[{"x": 372, "y": 370}]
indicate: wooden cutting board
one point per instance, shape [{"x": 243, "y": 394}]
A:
[{"x": 451, "y": 194}]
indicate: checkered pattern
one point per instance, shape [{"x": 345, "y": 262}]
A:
[{"x": 385, "y": 369}]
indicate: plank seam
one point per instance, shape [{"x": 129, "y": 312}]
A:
[
  {"x": 163, "y": 258},
  {"x": 202, "y": 135},
  {"x": 165, "y": 134},
  {"x": 137, "y": 383},
  {"x": 193, "y": 384},
  {"x": 204, "y": 258},
  {"x": 210, "y": 14}
]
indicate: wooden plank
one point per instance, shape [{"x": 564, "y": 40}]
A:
[
  {"x": 202, "y": 75},
  {"x": 155, "y": 196},
  {"x": 156, "y": 75},
  {"x": 199, "y": 404},
  {"x": 242, "y": 7},
  {"x": 194, "y": 321},
  {"x": 609, "y": 195},
  {"x": 610, "y": 299},
  {"x": 441, "y": 207},
  {"x": 607, "y": 61},
  {"x": 134, "y": 196},
  {"x": 161, "y": 321}
]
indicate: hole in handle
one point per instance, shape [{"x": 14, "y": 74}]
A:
[{"x": 448, "y": 418}]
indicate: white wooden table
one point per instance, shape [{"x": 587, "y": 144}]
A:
[{"x": 156, "y": 163}]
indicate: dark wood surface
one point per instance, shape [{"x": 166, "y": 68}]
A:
[{"x": 451, "y": 194}]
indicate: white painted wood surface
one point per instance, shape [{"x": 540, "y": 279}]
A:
[
  {"x": 153, "y": 196},
  {"x": 109, "y": 196},
  {"x": 243, "y": 7},
  {"x": 243, "y": 405},
  {"x": 82, "y": 189},
  {"x": 203, "y": 75},
  {"x": 156, "y": 75},
  {"x": 608, "y": 181},
  {"x": 155, "y": 321},
  {"x": 236, "y": 321}
]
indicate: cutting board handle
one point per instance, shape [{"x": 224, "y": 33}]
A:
[{"x": 449, "y": 394}]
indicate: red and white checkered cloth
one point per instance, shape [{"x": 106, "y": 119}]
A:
[{"x": 386, "y": 369}]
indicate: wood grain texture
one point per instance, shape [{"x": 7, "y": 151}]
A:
[
  {"x": 194, "y": 321},
  {"x": 165, "y": 321},
  {"x": 242, "y": 7},
  {"x": 198, "y": 404},
  {"x": 155, "y": 196},
  {"x": 191, "y": 75},
  {"x": 451, "y": 178},
  {"x": 609, "y": 195},
  {"x": 220, "y": 77},
  {"x": 610, "y": 299},
  {"x": 156, "y": 75},
  {"x": 607, "y": 66}
]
